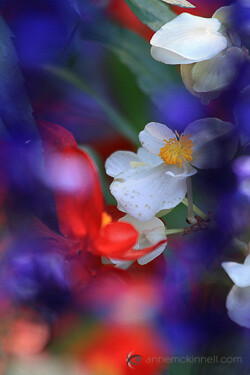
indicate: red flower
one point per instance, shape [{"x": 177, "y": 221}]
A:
[{"x": 79, "y": 201}]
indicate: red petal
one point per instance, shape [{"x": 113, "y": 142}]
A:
[
  {"x": 79, "y": 200},
  {"x": 54, "y": 137},
  {"x": 115, "y": 238},
  {"x": 132, "y": 254},
  {"x": 118, "y": 239},
  {"x": 75, "y": 181}
]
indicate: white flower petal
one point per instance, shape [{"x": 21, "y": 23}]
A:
[
  {"x": 118, "y": 263},
  {"x": 186, "y": 75},
  {"x": 119, "y": 207},
  {"x": 144, "y": 191},
  {"x": 154, "y": 235},
  {"x": 119, "y": 161},
  {"x": 247, "y": 260},
  {"x": 217, "y": 73},
  {"x": 225, "y": 16},
  {"x": 168, "y": 57},
  {"x": 148, "y": 158},
  {"x": 105, "y": 260},
  {"x": 156, "y": 231},
  {"x": 215, "y": 142},
  {"x": 239, "y": 273},
  {"x": 153, "y": 135},
  {"x": 146, "y": 226},
  {"x": 151, "y": 256},
  {"x": 186, "y": 171},
  {"x": 153, "y": 230},
  {"x": 238, "y": 305},
  {"x": 191, "y": 37},
  {"x": 121, "y": 264}
]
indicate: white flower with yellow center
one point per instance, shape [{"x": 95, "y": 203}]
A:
[
  {"x": 154, "y": 179},
  {"x": 208, "y": 50},
  {"x": 150, "y": 233},
  {"x": 238, "y": 299}
]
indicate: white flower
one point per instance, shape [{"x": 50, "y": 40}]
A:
[
  {"x": 142, "y": 185},
  {"x": 154, "y": 179},
  {"x": 150, "y": 233},
  {"x": 238, "y": 299},
  {"x": 208, "y": 50},
  {"x": 188, "y": 39}
]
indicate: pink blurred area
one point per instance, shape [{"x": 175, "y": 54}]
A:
[
  {"x": 24, "y": 334},
  {"x": 26, "y": 337},
  {"x": 124, "y": 299},
  {"x": 95, "y": 344}
]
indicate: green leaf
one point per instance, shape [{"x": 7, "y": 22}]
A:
[
  {"x": 153, "y": 13},
  {"x": 132, "y": 100},
  {"x": 152, "y": 77},
  {"x": 119, "y": 123},
  {"x": 180, "y": 3}
]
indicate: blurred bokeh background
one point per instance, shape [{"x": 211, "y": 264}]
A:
[{"x": 86, "y": 66}]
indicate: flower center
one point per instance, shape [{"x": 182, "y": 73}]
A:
[{"x": 177, "y": 150}]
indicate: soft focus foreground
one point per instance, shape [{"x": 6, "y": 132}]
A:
[{"x": 124, "y": 187}]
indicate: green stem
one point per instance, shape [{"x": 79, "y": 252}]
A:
[
  {"x": 170, "y": 232},
  {"x": 196, "y": 209}
]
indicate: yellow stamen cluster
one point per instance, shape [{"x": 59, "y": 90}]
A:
[
  {"x": 177, "y": 150},
  {"x": 106, "y": 219}
]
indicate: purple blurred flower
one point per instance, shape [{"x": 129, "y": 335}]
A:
[
  {"x": 41, "y": 29},
  {"x": 34, "y": 270},
  {"x": 241, "y": 168},
  {"x": 241, "y": 18},
  {"x": 177, "y": 107},
  {"x": 242, "y": 110}
]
